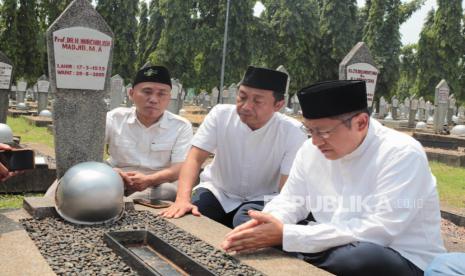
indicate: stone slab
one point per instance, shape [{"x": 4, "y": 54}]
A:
[
  {"x": 18, "y": 254},
  {"x": 449, "y": 157},
  {"x": 269, "y": 261},
  {"x": 44, "y": 207},
  {"x": 33, "y": 181},
  {"x": 16, "y": 113},
  {"x": 39, "y": 121},
  {"x": 439, "y": 141}
]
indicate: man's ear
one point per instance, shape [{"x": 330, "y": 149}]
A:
[
  {"x": 130, "y": 93},
  {"x": 279, "y": 105},
  {"x": 362, "y": 121}
]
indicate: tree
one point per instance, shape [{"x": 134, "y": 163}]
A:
[
  {"x": 142, "y": 35},
  {"x": 29, "y": 61},
  {"x": 294, "y": 40},
  {"x": 338, "y": 22},
  {"x": 9, "y": 33},
  {"x": 155, "y": 26},
  {"x": 408, "y": 71},
  {"x": 121, "y": 15},
  {"x": 381, "y": 33},
  {"x": 174, "y": 47},
  {"x": 441, "y": 48},
  {"x": 427, "y": 77},
  {"x": 449, "y": 42}
]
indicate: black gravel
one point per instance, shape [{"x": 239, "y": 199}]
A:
[{"x": 80, "y": 250}]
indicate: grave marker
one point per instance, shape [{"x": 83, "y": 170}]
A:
[
  {"x": 21, "y": 86},
  {"x": 413, "y": 111},
  {"x": 394, "y": 107},
  {"x": 441, "y": 105},
  {"x": 43, "y": 86},
  {"x": 450, "y": 111},
  {"x": 6, "y": 71},
  {"x": 116, "y": 86},
  {"x": 359, "y": 65},
  {"x": 382, "y": 108},
  {"x": 286, "y": 93},
  {"x": 80, "y": 46}
]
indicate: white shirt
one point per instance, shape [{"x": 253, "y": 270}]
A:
[
  {"x": 247, "y": 164},
  {"x": 389, "y": 173},
  {"x": 133, "y": 146}
]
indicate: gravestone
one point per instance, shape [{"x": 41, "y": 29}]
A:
[
  {"x": 382, "y": 108},
  {"x": 116, "y": 86},
  {"x": 461, "y": 115},
  {"x": 21, "y": 87},
  {"x": 295, "y": 104},
  {"x": 401, "y": 111},
  {"x": 394, "y": 107},
  {"x": 206, "y": 101},
  {"x": 406, "y": 108},
  {"x": 413, "y": 111},
  {"x": 441, "y": 105},
  {"x": 359, "y": 65},
  {"x": 129, "y": 102},
  {"x": 35, "y": 90},
  {"x": 181, "y": 98},
  {"x": 225, "y": 96},
  {"x": 6, "y": 71},
  {"x": 214, "y": 96},
  {"x": 422, "y": 109},
  {"x": 80, "y": 46},
  {"x": 43, "y": 86},
  {"x": 450, "y": 111},
  {"x": 13, "y": 92},
  {"x": 286, "y": 93},
  {"x": 232, "y": 92},
  {"x": 175, "y": 95}
]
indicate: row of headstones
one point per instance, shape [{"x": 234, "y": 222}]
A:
[
  {"x": 413, "y": 109},
  {"x": 417, "y": 109},
  {"x": 38, "y": 92}
]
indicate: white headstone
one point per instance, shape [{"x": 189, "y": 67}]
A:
[
  {"x": 358, "y": 64},
  {"x": 441, "y": 103},
  {"x": 116, "y": 86}
]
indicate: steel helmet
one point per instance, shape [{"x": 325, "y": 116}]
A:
[
  {"x": 90, "y": 193},
  {"x": 21, "y": 106},
  {"x": 45, "y": 113},
  {"x": 6, "y": 134},
  {"x": 458, "y": 130}
]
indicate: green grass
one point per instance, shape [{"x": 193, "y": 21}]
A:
[
  {"x": 29, "y": 133},
  {"x": 451, "y": 184},
  {"x": 14, "y": 201}
]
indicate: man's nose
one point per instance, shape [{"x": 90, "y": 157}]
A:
[{"x": 317, "y": 140}]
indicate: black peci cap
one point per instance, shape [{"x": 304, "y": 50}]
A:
[
  {"x": 153, "y": 74},
  {"x": 266, "y": 79},
  {"x": 332, "y": 98}
]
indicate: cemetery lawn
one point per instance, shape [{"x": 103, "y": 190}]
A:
[
  {"x": 451, "y": 184},
  {"x": 29, "y": 133},
  {"x": 14, "y": 201}
]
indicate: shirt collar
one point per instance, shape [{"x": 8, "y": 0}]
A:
[
  {"x": 162, "y": 123},
  {"x": 365, "y": 143}
]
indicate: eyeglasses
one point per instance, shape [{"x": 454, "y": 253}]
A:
[{"x": 323, "y": 134}]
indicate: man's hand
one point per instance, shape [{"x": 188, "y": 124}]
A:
[
  {"x": 4, "y": 173},
  {"x": 263, "y": 230},
  {"x": 136, "y": 181},
  {"x": 179, "y": 209}
]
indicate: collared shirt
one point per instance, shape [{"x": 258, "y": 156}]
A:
[
  {"x": 247, "y": 164},
  {"x": 133, "y": 146},
  {"x": 383, "y": 192}
]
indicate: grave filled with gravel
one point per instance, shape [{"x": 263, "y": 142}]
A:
[{"x": 80, "y": 250}]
